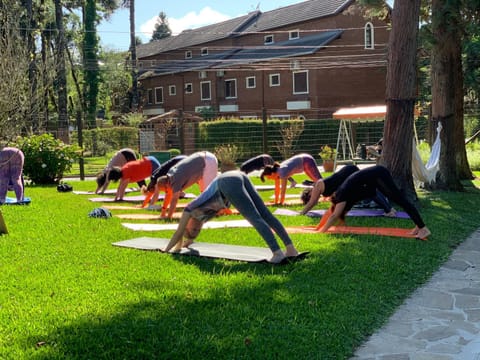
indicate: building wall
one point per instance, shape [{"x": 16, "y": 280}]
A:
[{"x": 342, "y": 74}]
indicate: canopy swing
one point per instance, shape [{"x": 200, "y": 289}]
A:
[{"x": 349, "y": 116}]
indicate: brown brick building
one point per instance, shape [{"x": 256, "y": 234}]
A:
[{"x": 307, "y": 59}]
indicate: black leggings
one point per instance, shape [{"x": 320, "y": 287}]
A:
[{"x": 386, "y": 185}]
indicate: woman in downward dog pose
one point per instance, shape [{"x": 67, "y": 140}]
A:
[
  {"x": 132, "y": 171},
  {"x": 120, "y": 158},
  {"x": 258, "y": 163},
  {"x": 200, "y": 167},
  {"x": 232, "y": 188},
  {"x": 294, "y": 165},
  {"x": 363, "y": 184},
  {"x": 329, "y": 185},
  {"x": 152, "y": 191}
]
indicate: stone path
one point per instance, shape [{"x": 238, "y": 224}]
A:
[{"x": 441, "y": 320}]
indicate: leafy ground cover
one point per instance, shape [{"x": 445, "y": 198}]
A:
[{"x": 67, "y": 293}]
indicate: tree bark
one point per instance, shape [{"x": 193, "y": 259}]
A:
[
  {"x": 447, "y": 94},
  {"x": 61, "y": 81},
  {"x": 133, "y": 54},
  {"x": 401, "y": 95}
]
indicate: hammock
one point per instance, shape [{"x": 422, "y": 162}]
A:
[{"x": 427, "y": 173}]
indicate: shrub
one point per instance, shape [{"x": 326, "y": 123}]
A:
[
  {"x": 174, "y": 152},
  {"x": 46, "y": 158},
  {"x": 227, "y": 154}
]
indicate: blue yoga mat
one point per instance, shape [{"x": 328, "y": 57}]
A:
[{"x": 13, "y": 201}]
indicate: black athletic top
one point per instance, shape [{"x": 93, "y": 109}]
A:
[
  {"x": 333, "y": 182},
  {"x": 256, "y": 163}
]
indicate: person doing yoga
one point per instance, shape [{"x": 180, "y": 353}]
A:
[
  {"x": 132, "y": 171},
  {"x": 119, "y": 159},
  {"x": 258, "y": 163},
  {"x": 327, "y": 186},
  {"x": 232, "y": 188},
  {"x": 11, "y": 172},
  {"x": 363, "y": 184},
  {"x": 294, "y": 165},
  {"x": 200, "y": 167},
  {"x": 152, "y": 191}
]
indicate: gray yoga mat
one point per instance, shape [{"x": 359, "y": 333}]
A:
[{"x": 209, "y": 250}]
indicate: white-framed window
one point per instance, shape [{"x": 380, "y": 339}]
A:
[
  {"x": 293, "y": 34},
  {"x": 159, "y": 95},
  {"x": 250, "y": 82},
  {"x": 202, "y": 74},
  {"x": 205, "y": 90},
  {"x": 149, "y": 96},
  {"x": 188, "y": 54},
  {"x": 369, "y": 36},
  {"x": 230, "y": 89},
  {"x": 300, "y": 82},
  {"x": 188, "y": 88},
  {"x": 204, "y": 51},
  {"x": 274, "y": 80},
  {"x": 268, "y": 39},
  {"x": 172, "y": 90}
]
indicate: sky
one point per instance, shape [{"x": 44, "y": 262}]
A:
[{"x": 181, "y": 15}]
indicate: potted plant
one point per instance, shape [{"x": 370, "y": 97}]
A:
[
  {"x": 227, "y": 155},
  {"x": 328, "y": 155}
]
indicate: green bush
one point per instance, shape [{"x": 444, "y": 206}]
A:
[
  {"x": 174, "y": 152},
  {"x": 46, "y": 158}
]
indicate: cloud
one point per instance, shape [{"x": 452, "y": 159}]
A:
[{"x": 191, "y": 20}]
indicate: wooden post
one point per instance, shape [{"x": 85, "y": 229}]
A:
[{"x": 3, "y": 226}]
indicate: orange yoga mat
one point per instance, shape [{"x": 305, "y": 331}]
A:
[{"x": 397, "y": 232}]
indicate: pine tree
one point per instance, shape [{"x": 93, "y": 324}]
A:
[{"x": 162, "y": 30}]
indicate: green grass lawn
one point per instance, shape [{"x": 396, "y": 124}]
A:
[{"x": 67, "y": 293}]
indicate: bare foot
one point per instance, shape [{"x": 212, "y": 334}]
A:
[
  {"x": 291, "y": 251},
  {"x": 415, "y": 230},
  {"x": 423, "y": 233},
  {"x": 277, "y": 258},
  {"x": 293, "y": 184},
  {"x": 187, "y": 243},
  {"x": 391, "y": 213}
]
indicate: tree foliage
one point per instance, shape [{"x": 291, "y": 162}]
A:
[{"x": 162, "y": 29}]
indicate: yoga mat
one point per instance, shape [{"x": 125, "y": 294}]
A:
[
  {"x": 156, "y": 215},
  {"x": 137, "y": 198},
  {"x": 139, "y": 207},
  {"x": 106, "y": 192},
  {"x": 354, "y": 212},
  {"x": 207, "y": 225},
  {"x": 132, "y": 198},
  {"x": 13, "y": 201},
  {"x": 286, "y": 203},
  {"x": 359, "y": 230},
  {"x": 208, "y": 250},
  {"x": 272, "y": 187}
]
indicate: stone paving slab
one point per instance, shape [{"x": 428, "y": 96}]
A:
[{"x": 439, "y": 321}]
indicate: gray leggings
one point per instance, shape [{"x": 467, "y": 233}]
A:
[{"x": 238, "y": 189}]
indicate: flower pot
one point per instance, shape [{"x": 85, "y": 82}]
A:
[{"x": 329, "y": 165}]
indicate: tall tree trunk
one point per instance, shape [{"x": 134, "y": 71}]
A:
[
  {"x": 401, "y": 94},
  {"x": 32, "y": 70},
  {"x": 90, "y": 60},
  {"x": 61, "y": 80},
  {"x": 133, "y": 54},
  {"x": 446, "y": 95}
]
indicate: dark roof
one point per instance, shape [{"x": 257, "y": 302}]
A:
[
  {"x": 303, "y": 11},
  {"x": 252, "y": 22},
  {"x": 198, "y": 36},
  {"x": 290, "y": 48}
]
